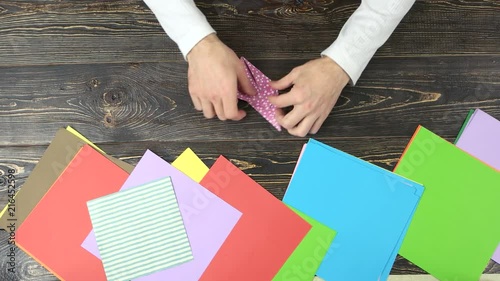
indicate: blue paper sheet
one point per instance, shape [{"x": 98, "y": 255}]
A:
[{"x": 370, "y": 208}]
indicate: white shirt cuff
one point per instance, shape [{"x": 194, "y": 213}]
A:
[
  {"x": 192, "y": 37},
  {"x": 183, "y": 22},
  {"x": 339, "y": 53}
]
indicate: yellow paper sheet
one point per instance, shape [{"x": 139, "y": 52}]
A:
[
  {"x": 83, "y": 138},
  {"x": 190, "y": 164}
]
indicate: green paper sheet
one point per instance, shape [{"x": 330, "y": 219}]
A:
[
  {"x": 464, "y": 125},
  {"x": 304, "y": 262},
  {"x": 452, "y": 235}
]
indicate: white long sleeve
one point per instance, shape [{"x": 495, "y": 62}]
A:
[
  {"x": 183, "y": 22},
  {"x": 365, "y": 31}
]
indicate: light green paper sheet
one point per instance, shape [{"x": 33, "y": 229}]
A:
[
  {"x": 452, "y": 235},
  {"x": 307, "y": 257}
]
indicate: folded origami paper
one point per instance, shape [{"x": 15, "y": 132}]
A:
[
  {"x": 480, "y": 137},
  {"x": 53, "y": 231},
  {"x": 265, "y": 236},
  {"x": 451, "y": 235},
  {"x": 208, "y": 219},
  {"x": 60, "y": 152},
  {"x": 369, "y": 207},
  {"x": 120, "y": 221},
  {"x": 306, "y": 258},
  {"x": 260, "y": 101}
]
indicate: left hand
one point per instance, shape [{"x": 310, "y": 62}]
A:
[{"x": 316, "y": 87}]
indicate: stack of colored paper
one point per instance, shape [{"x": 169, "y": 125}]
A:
[
  {"x": 480, "y": 136},
  {"x": 88, "y": 216},
  {"x": 369, "y": 207},
  {"x": 85, "y": 215},
  {"x": 450, "y": 235}
]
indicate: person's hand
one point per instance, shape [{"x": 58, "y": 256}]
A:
[
  {"x": 214, "y": 74},
  {"x": 316, "y": 88}
]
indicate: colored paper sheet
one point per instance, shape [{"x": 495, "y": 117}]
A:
[
  {"x": 208, "y": 219},
  {"x": 265, "y": 236},
  {"x": 307, "y": 257},
  {"x": 369, "y": 207},
  {"x": 260, "y": 101},
  {"x": 191, "y": 165},
  {"x": 53, "y": 231},
  {"x": 120, "y": 223},
  {"x": 60, "y": 152},
  {"x": 451, "y": 235},
  {"x": 466, "y": 122},
  {"x": 480, "y": 137},
  {"x": 83, "y": 138}
]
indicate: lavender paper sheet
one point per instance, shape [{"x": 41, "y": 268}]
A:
[
  {"x": 208, "y": 219},
  {"x": 481, "y": 138}
]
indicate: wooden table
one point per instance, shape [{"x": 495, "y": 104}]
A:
[{"x": 108, "y": 69}]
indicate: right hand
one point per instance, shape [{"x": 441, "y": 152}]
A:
[{"x": 214, "y": 75}]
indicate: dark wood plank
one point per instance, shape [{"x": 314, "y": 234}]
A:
[
  {"x": 57, "y": 32},
  {"x": 430, "y": 28},
  {"x": 52, "y": 32},
  {"x": 268, "y": 162},
  {"x": 149, "y": 101}
]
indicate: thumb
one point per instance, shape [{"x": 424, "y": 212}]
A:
[
  {"x": 284, "y": 82},
  {"x": 243, "y": 81}
]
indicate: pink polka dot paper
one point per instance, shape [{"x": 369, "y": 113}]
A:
[{"x": 260, "y": 102}]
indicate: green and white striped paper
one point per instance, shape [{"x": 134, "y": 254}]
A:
[{"x": 140, "y": 230}]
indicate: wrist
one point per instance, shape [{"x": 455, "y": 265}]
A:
[
  {"x": 334, "y": 68},
  {"x": 204, "y": 44}
]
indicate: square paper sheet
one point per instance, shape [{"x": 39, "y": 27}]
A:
[
  {"x": 303, "y": 263},
  {"x": 264, "y": 238},
  {"x": 207, "y": 218},
  {"x": 480, "y": 137},
  {"x": 369, "y": 207},
  {"x": 62, "y": 149},
  {"x": 452, "y": 235},
  {"x": 53, "y": 231},
  {"x": 121, "y": 221}
]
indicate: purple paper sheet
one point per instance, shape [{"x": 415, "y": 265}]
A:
[
  {"x": 207, "y": 218},
  {"x": 481, "y": 138},
  {"x": 260, "y": 101}
]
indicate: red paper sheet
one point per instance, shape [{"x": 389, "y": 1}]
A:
[
  {"x": 264, "y": 237},
  {"x": 54, "y": 230}
]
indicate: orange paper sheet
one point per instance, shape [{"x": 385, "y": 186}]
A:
[
  {"x": 54, "y": 230},
  {"x": 266, "y": 234}
]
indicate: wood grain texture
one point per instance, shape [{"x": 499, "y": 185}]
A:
[
  {"x": 65, "y": 32},
  {"x": 149, "y": 101},
  {"x": 108, "y": 69}
]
